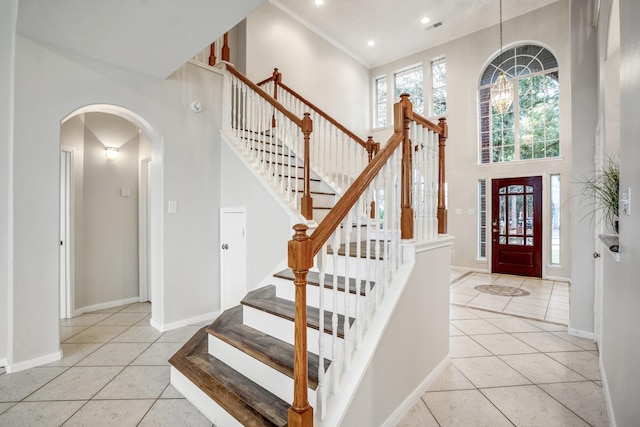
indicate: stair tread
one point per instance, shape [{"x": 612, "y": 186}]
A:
[
  {"x": 299, "y": 177},
  {"x": 353, "y": 247},
  {"x": 265, "y": 299},
  {"x": 269, "y": 350},
  {"x": 248, "y": 402},
  {"x": 313, "y": 278}
]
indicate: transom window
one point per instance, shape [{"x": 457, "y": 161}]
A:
[
  {"x": 411, "y": 81},
  {"x": 530, "y": 129}
]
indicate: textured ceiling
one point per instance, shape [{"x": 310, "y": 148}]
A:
[
  {"x": 395, "y": 24},
  {"x": 153, "y": 37}
]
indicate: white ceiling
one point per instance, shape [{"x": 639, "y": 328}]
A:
[
  {"x": 153, "y": 37},
  {"x": 395, "y": 25}
]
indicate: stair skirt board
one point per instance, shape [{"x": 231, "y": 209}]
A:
[
  {"x": 283, "y": 329},
  {"x": 198, "y": 398},
  {"x": 276, "y": 382}
]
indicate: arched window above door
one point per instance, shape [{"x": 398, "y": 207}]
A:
[{"x": 530, "y": 129}]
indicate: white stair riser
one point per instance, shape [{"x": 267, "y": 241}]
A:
[
  {"x": 283, "y": 329},
  {"x": 214, "y": 412},
  {"x": 286, "y": 290},
  {"x": 276, "y": 382},
  {"x": 369, "y": 268}
]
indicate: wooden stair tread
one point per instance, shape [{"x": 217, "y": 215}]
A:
[
  {"x": 248, "y": 402},
  {"x": 269, "y": 350},
  {"x": 313, "y": 278},
  {"x": 265, "y": 299}
]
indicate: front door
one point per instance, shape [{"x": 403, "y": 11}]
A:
[{"x": 517, "y": 226}]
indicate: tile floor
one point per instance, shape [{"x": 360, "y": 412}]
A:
[
  {"x": 547, "y": 300},
  {"x": 504, "y": 370}
]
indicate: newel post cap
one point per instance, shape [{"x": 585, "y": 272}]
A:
[{"x": 300, "y": 256}]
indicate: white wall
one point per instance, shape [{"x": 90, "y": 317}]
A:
[
  {"x": 8, "y": 11},
  {"x": 49, "y": 86},
  {"x": 414, "y": 344},
  {"x": 310, "y": 65},
  {"x": 621, "y": 336},
  {"x": 466, "y": 59},
  {"x": 110, "y": 229}
]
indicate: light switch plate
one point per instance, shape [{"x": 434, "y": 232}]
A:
[
  {"x": 173, "y": 206},
  {"x": 625, "y": 201}
]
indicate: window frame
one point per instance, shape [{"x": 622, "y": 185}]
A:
[
  {"x": 432, "y": 87},
  {"x": 396, "y": 95},
  {"x": 376, "y": 104}
]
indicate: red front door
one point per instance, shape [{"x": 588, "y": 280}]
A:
[{"x": 517, "y": 226}]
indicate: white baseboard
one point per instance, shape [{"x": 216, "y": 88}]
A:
[
  {"x": 395, "y": 418},
  {"x": 3, "y": 362},
  {"x": 184, "y": 322},
  {"x": 32, "y": 363},
  {"x": 105, "y": 305},
  {"x": 581, "y": 334},
  {"x": 607, "y": 395}
]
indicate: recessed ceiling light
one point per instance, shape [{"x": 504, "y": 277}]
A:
[
  {"x": 371, "y": 43},
  {"x": 424, "y": 20},
  {"x": 318, "y": 2}
]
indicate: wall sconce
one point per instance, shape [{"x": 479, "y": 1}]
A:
[{"x": 111, "y": 153}]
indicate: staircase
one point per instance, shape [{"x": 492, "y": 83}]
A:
[{"x": 293, "y": 340}]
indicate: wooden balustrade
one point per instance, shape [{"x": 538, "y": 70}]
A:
[{"x": 225, "y": 51}]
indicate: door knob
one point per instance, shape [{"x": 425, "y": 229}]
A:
[
  {"x": 225, "y": 246},
  {"x": 596, "y": 255}
]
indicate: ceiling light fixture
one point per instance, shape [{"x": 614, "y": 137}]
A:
[
  {"x": 425, "y": 20},
  {"x": 502, "y": 89},
  {"x": 318, "y": 2},
  {"x": 371, "y": 43},
  {"x": 111, "y": 153}
]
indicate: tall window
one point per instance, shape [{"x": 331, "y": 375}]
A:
[
  {"x": 381, "y": 101},
  {"x": 482, "y": 219},
  {"x": 411, "y": 82},
  {"x": 555, "y": 219},
  {"x": 531, "y": 127},
  {"x": 439, "y": 86}
]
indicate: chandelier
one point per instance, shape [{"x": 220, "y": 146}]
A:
[{"x": 502, "y": 89}]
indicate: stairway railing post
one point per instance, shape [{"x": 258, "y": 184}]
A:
[
  {"x": 226, "y": 51},
  {"x": 442, "y": 209},
  {"x": 300, "y": 261},
  {"x": 212, "y": 54},
  {"x": 403, "y": 112},
  {"x": 277, "y": 78},
  {"x": 306, "y": 204}
]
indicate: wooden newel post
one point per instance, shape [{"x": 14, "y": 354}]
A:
[
  {"x": 370, "y": 147},
  {"x": 306, "y": 204},
  {"x": 442, "y": 209},
  {"x": 226, "y": 51},
  {"x": 277, "y": 79},
  {"x": 403, "y": 112},
  {"x": 212, "y": 54},
  {"x": 300, "y": 261}
]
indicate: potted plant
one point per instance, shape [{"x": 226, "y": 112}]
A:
[{"x": 604, "y": 187}]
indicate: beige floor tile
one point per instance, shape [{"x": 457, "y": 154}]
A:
[
  {"x": 451, "y": 379},
  {"x": 122, "y": 319},
  {"x": 546, "y": 341},
  {"x": 97, "y": 413},
  {"x": 109, "y": 310},
  {"x": 74, "y": 353},
  {"x": 489, "y": 372},
  {"x": 586, "y": 399},
  {"x": 40, "y": 414},
  {"x": 87, "y": 319},
  {"x": 67, "y": 332},
  {"x": 180, "y": 335},
  {"x": 514, "y": 281},
  {"x": 158, "y": 354},
  {"x": 475, "y": 326},
  {"x": 460, "y": 299},
  {"x": 529, "y": 406},
  {"x": 583, "y": 362},
  {"x": 511, "y": 324},
  {"x": 418, "y": 416},
  {"x": 145, "y": 321},
  {"x": 533, "y": 301},
  {"x": 15, "y": 387},
  {"x": 558, "y": 305},
  {"x": 5, "y": 406},
  {"x": 499, "y": 344},
  {"x": 540, "y": 368},
  {"x": 139, "y": 307},
  {"x": 492, "y": 302},
  {"x": 174, "y": 412},
  {"x": 137, "y": 382},
  {"x": 583, "y": 343},
  {"x": 528, "y": 309},
  {"x": 463, "y": 408},
  {"x": 77, "y": 383},
  {"x": 557, "y": 314},
  {"x": 464, "y": 291},
  {"x": 139, "y": 334},
  {"x": 454, "y": 332},
  {"x": 464, "y": 346},
  {"x": 549, "y": 327},
  {"x": 114, "y": 354},
  {"x": 487, "y": 314},
  {"x": 171, "y": 393},
  {"x": 96, "y": 334},
  {"x": 460, "y": 313}
]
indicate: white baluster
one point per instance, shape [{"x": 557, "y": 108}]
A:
[
  {"x": 335, "y": 358},
  {"x": 347, "y": 224},
  {"x": 320, "y": 391}
]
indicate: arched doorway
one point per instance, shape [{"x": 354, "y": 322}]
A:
[{"x": 147, "y": 207}]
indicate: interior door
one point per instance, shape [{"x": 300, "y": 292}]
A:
[
  {"x": 233, "y": 257},
  {"x": 517, "y": 226},
  {"x": 65, "y": 233}
]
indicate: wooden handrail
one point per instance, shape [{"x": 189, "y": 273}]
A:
[
  {"x": 437, "y": 128},
  {"x": 271, "y": 100}
]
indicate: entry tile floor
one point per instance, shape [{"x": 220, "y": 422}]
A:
[{"x": 548, "y": 300}]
